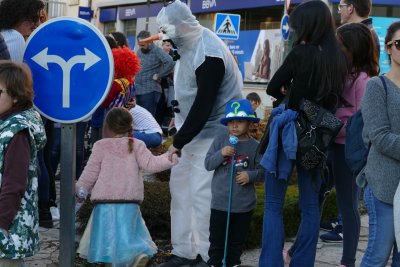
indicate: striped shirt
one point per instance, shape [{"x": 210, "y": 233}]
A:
[
  {"x": 143, "y": 121},
  {"x": 15, "y": 44}
]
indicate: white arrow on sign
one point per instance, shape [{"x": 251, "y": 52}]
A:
[
  {"x": 43, "y": 58},
  {"x": 285, "y": 27}
]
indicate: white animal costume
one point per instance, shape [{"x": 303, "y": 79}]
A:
[{"x": 202, "y": 104}]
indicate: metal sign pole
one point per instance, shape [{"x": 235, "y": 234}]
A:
[{"x": 67, "y": 195}]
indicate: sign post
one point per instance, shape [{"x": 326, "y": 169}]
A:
[
  {"x": 67, "y": 193},
  {"x": 72, "y": 69}
]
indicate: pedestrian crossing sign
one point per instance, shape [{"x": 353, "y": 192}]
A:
[{"x": 227, "y": 26}]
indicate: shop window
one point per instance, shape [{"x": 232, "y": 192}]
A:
[
  {"x": 109, "y": 27},
  {"x": 130, "y": 32}
]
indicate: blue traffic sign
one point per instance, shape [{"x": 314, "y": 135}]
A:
[
  {"x": 72, "y": 68},
  {"x": 227, "y": 26},
  {"x": 285, "y": 27}
]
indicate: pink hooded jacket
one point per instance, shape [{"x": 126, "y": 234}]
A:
[
  {"x": 353, "y": 93},
  {"x": 112, "y": 174}
]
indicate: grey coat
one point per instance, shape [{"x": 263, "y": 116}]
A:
[{"x": 381, "y": 114}]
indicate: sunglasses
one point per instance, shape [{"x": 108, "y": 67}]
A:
[{"x": 395, "y": 42}]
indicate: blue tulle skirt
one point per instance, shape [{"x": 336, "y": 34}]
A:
[{"x": 117, "y": 234}]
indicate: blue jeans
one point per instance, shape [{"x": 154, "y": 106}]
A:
[
  {"x": 381, "y": 240},
  {"x": 149, "y": 101},
  {"x": 80, "y": 148},
  {"x": 273, "y": 238},
  {"x": 151, "y": 140}
]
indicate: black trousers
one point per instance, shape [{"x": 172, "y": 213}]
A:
[{"x": 238, "y": 229}]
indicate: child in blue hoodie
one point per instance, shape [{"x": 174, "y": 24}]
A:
[{"x": 238, "y": 117}]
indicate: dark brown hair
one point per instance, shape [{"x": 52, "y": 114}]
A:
[
  {"x": 392, "y": 29},
  {"x": 253, "y": 97},
  {"x": 17, "y": 79},
  {"x": 119, "y": 121},
  {"x": 313, "y": 24},
  {"x": 358, "y": 41},
  {"x": 363, "y": 7},
  {"x": 14, "y": 12},
  {"x": 119, "y": 38}
]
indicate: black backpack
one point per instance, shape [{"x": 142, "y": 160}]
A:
[{"x": 355, "y": 151}]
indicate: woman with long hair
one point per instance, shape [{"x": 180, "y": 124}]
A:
[
  {"x": 316, "y": 70},
  {"x": 380, "y": 109},
  {"x": 356, "y": 41}
]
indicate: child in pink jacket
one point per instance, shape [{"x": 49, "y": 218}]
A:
[{"x": 116, "y": 233}]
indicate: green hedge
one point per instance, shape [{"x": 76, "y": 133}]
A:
[
  {"x": 291, "y": 214},
  {"x": 156, "y": 212},
  {"x": 156, "y": 207}
]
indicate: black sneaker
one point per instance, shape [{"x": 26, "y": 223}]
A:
[
  {"x": 328, "y": 226},
  {"x": 45, "y": 219},
  {"x": 334, "y": 236},
  {"x": 176, "y": 261}
]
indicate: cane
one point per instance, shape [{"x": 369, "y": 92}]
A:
[{"x": 233, "y": 140}]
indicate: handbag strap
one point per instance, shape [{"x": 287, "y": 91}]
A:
[{"x": 384, "y": 83}]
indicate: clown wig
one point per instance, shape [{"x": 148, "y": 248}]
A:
[{"x": 126, "y": 63}]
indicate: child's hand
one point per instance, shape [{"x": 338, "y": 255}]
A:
[
  {"x": 227, "y": 151},
  {"x": 242, "y": 178},
  {"x": 174, "y": 158},
  {"x": 81, "y": 194}
]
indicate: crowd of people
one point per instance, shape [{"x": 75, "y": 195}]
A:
[{"x": 214, "y": 161}]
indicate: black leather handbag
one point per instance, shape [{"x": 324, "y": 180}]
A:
[{"x": 316, "y": 128}]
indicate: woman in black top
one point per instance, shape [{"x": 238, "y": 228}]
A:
[{"x": 315, "y": 69}]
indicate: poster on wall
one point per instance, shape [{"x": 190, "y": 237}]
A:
[
  {"x": 259, "y": 54},
  {"x": 381, "y": 24}
]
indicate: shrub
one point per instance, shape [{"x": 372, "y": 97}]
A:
[{"x": 155, "y": 209}]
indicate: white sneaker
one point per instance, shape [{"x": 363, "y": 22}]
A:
[{"x": 55, "y": 213}]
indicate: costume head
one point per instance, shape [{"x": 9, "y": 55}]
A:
[
  {"x": 126, "y": 63},
  {"x": 239, "y": 110},
  {"x": 177, "y": 23}
]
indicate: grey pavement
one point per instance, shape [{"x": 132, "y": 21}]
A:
[{"x": 328, "y": 254}]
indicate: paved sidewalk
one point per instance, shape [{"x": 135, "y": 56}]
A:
[{"x": 328, "y": 254}]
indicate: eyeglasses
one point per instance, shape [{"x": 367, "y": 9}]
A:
[
  {"x": 175, "y": 105},
  {"x": 395, "y": 42},
  {"x": 168, "y": 2},
  {"x": 339, "y": 8}
]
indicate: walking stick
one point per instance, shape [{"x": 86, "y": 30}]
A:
[{"x": 233, "y": 140}]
